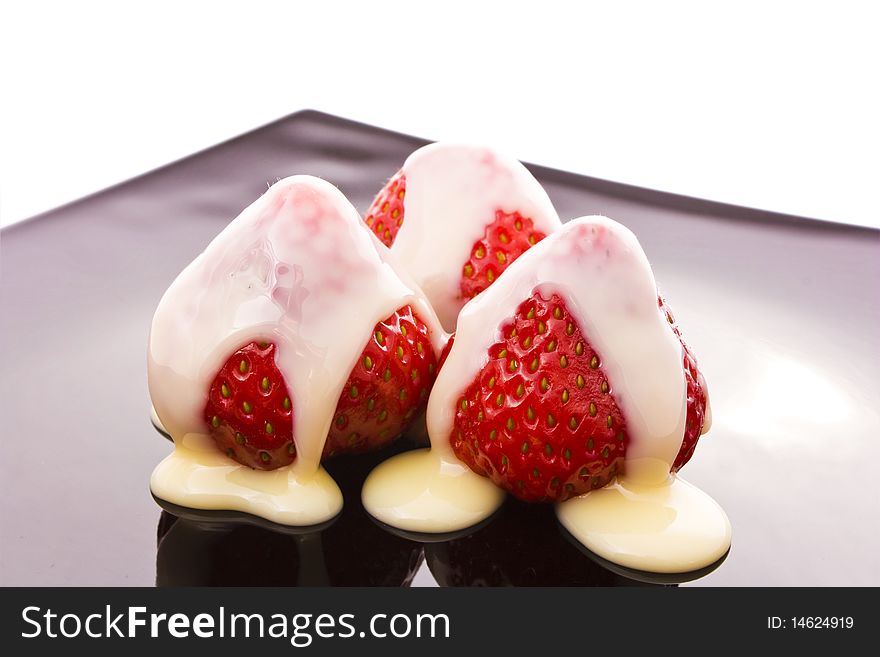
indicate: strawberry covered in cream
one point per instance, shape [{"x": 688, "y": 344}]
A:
[
  {"x": 294, "y": 336},
  {"x": 457, "y": 216},
  {"x": 567, "y": 381}
]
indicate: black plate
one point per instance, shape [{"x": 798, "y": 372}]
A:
[{"x": 782, "y": 313}]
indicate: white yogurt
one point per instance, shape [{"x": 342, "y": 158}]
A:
[
  {"x": 297, "y": 268},
  {"x": 452, "y": 194}
]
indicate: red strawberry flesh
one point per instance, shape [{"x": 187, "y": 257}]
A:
[
  {"x": 388, "y": 385},
  {"x": 507, "y": 237},
  {"x": 696, "y": 396},
  {"x": 385, "y": 216},
  {"x": 540, "y": 418},
  {"x": 250, "y": 410}
]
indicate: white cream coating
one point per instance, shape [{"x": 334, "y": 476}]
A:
[
  {"x": 297, "y": 268},
  {"x": 599, "y": 268},
  {"x": 671, "y": 527},
  {"x": 452, "y": 194}
]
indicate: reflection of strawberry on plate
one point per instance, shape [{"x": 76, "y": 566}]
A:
[{"x": 512, "y": 550}]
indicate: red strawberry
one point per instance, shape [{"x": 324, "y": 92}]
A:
[
  {"x": 696, "y": 397},
  {"x": 385, "y": 215},
  {"x": 539, "y": 419},
  {"x": 250, "y": 411},
  {"x": 506, "y": 239},
  {"x": 388, "y": 384}
]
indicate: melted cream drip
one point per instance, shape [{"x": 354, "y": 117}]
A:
[
  {"x": 599, "y": 268},
  {"x": 422, "y": 492},
  {"x": 452, "y": 194},
  {"x": 199, "y": 476},
  {"x": 297, "y": 268},
  {"x": 671, "y": 527}
]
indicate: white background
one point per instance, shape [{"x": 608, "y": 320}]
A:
[{"x": 771, "y": 105}]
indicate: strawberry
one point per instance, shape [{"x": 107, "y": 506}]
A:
[
  {"x": 481, "y": 208},
  {"x": 388, "y": 384},
  {"x": 506, "y": 239},
  {"x": 539, "y": 419},
  {"x": 696, "y": 396},
  {"x": 250, "y": 411},
  {"x": 385, "y": 216}
]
